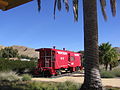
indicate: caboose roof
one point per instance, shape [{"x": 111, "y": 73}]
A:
[{"x": 57, "y": 50}]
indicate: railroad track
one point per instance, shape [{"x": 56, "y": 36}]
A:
[
  {"x": 69, "y": 74},
  {"x": 63, "y": 74}
]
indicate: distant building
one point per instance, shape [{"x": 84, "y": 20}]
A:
[{"x": 25, "y": 59}]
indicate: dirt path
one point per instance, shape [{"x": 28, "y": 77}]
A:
[{"x": 115, "y": 82}]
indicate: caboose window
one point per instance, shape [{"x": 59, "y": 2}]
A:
[
  {"x": 48, "y": 52},
  {"x": 72, "y": 58}
]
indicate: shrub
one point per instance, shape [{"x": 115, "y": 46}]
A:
[
  {"x": 116, "y": 72},
  {"x": 18, "y": 66},
  {"x": 26, "y": 77},
  {"x": 8, "y": 52},
  {"x": 9, "y": 76},
  {"x": 107, "y": 74}
]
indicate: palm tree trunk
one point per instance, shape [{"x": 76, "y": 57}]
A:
[{"x": 92, "y": 80}]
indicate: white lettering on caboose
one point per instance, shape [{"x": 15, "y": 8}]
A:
[
  {"x": 64, "y": 53},
  {"x": 76, "y": 54}
]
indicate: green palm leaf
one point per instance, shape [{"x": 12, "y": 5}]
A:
[{"x": 107, "y": 54}]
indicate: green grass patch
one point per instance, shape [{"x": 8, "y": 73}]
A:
[
  {"x": 110, "y": 74},
  {"x": 26, "y": 77},
  {"x": 68, "y": 85},
  {"x": 112, "y": 88},
  {"x": 30, "y": 85},
  {"x": 116, "y": 72},
  {"x": 107, "y": 74}
]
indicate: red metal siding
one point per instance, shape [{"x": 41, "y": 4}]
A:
[{"x": 61, "y": 59}]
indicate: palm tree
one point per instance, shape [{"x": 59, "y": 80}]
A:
[
  {"x": 108, "y": 55},
  {"x": 92, "y": 80}
]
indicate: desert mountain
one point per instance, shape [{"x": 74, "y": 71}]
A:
[
  {"x": 1, "y": 47},
  {"x": 118, "y": 49}
]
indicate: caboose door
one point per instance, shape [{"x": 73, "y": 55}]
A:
[
  {"x": 49, "y": 58},
  {"x": 71, "y": 59}
]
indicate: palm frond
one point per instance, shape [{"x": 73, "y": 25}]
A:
[
  {"x": 103, "y": 6},
  {"x": 75, "y": 9},
  {"x": 66, "y": 5},
  {"x": 59, "y": 5},
  {"x": 113, "y": 7},
  {"x": 55, "y": 3},
  {"x": 39, "y": 4}
]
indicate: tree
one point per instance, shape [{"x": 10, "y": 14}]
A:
[
  {"x": 92, "y": 80},
  {"x": 8, "y": 52},
  {"x": 108, "y": 55}
]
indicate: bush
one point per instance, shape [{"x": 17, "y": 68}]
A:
[
  {"x": 18, "y": 66},
  {"x": 9, "y": 76},
  {"x": 26, "y": 77},
  {"x": 8, "y": 52},
  {"x": 107, "y": 74}
]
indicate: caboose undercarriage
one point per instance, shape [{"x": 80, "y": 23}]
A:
[{"x": 49, "y": 71}]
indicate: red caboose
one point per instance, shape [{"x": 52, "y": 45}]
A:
[{"x": 51, "y": 61}]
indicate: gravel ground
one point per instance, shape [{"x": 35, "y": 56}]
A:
[{"x": 115, "y": 82}]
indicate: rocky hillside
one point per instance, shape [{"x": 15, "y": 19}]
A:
[
  {"x": 22, "y": 50},
  {"x": 118, "y": 49},
  {"x": 2, "y": 46}
]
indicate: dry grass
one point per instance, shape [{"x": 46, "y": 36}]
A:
[{"x": 9, "y": 76}]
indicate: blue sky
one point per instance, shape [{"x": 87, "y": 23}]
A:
[{"x": 25, "y": 26}]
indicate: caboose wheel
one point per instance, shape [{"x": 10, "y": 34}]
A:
[
  {"x": 77, "y": 68},
  {"x": 58, "y": 72},
  {"x": 71, "y": 69}
]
